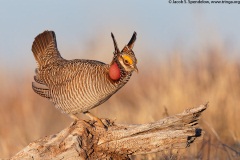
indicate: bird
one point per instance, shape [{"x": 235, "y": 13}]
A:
[{"x": 79, "y": 85}]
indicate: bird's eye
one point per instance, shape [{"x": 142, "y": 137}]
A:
[
  {"x": 126, "y": 62},
  {"x": 127, "y": 59}
]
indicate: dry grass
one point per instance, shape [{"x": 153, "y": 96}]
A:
[{"x": 173, "y": 83}]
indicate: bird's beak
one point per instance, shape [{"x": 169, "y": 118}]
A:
[{"x": 135, "y": 68}]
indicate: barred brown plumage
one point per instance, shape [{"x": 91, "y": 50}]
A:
[{"x": 76, "y": 86}]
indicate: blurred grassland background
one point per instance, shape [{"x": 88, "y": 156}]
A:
[
  {"x": 183, "y": 62},
  {"x": 171, "y": 83}
]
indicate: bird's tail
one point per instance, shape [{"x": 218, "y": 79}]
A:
[{"x": 44, "y": 48}]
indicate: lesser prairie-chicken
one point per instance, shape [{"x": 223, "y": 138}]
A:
[{"x": 76, "y": 86}]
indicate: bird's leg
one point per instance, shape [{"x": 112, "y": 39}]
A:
[
  {"x": 94, "y": 118},
  {"x": 74, "y": 117}
]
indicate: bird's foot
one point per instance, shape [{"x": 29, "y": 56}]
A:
[
  {"x": 100, "y": 123},
  {"x": 96, "y": 119}
]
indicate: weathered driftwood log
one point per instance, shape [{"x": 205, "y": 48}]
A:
[{"x": 85, "y": 140}]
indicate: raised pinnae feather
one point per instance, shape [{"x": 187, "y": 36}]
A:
[
  {"x": 132, "y": 40},
  {"x": 115, "y": 44}
]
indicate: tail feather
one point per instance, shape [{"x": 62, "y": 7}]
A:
[
  {"x": 42, "y": 90},
  {"x": 45, "y": 51},
  {"x": 44, "y": 48},
  {"x": 38, "y": 80}
]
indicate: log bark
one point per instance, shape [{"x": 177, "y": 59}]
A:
[{"x": 85, "y": 140}]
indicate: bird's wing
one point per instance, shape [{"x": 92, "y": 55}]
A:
[
  {"x": 65, "y": 71},
  {"x": 55, "y": 75}
]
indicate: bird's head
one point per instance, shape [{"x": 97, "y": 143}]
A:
[{"x": 126, "y": 58}]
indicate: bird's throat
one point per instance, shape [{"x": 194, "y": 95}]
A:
[{"x": 114, "y": 71}]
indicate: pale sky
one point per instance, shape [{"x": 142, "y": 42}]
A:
[{"x": 161, "y": 26}]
